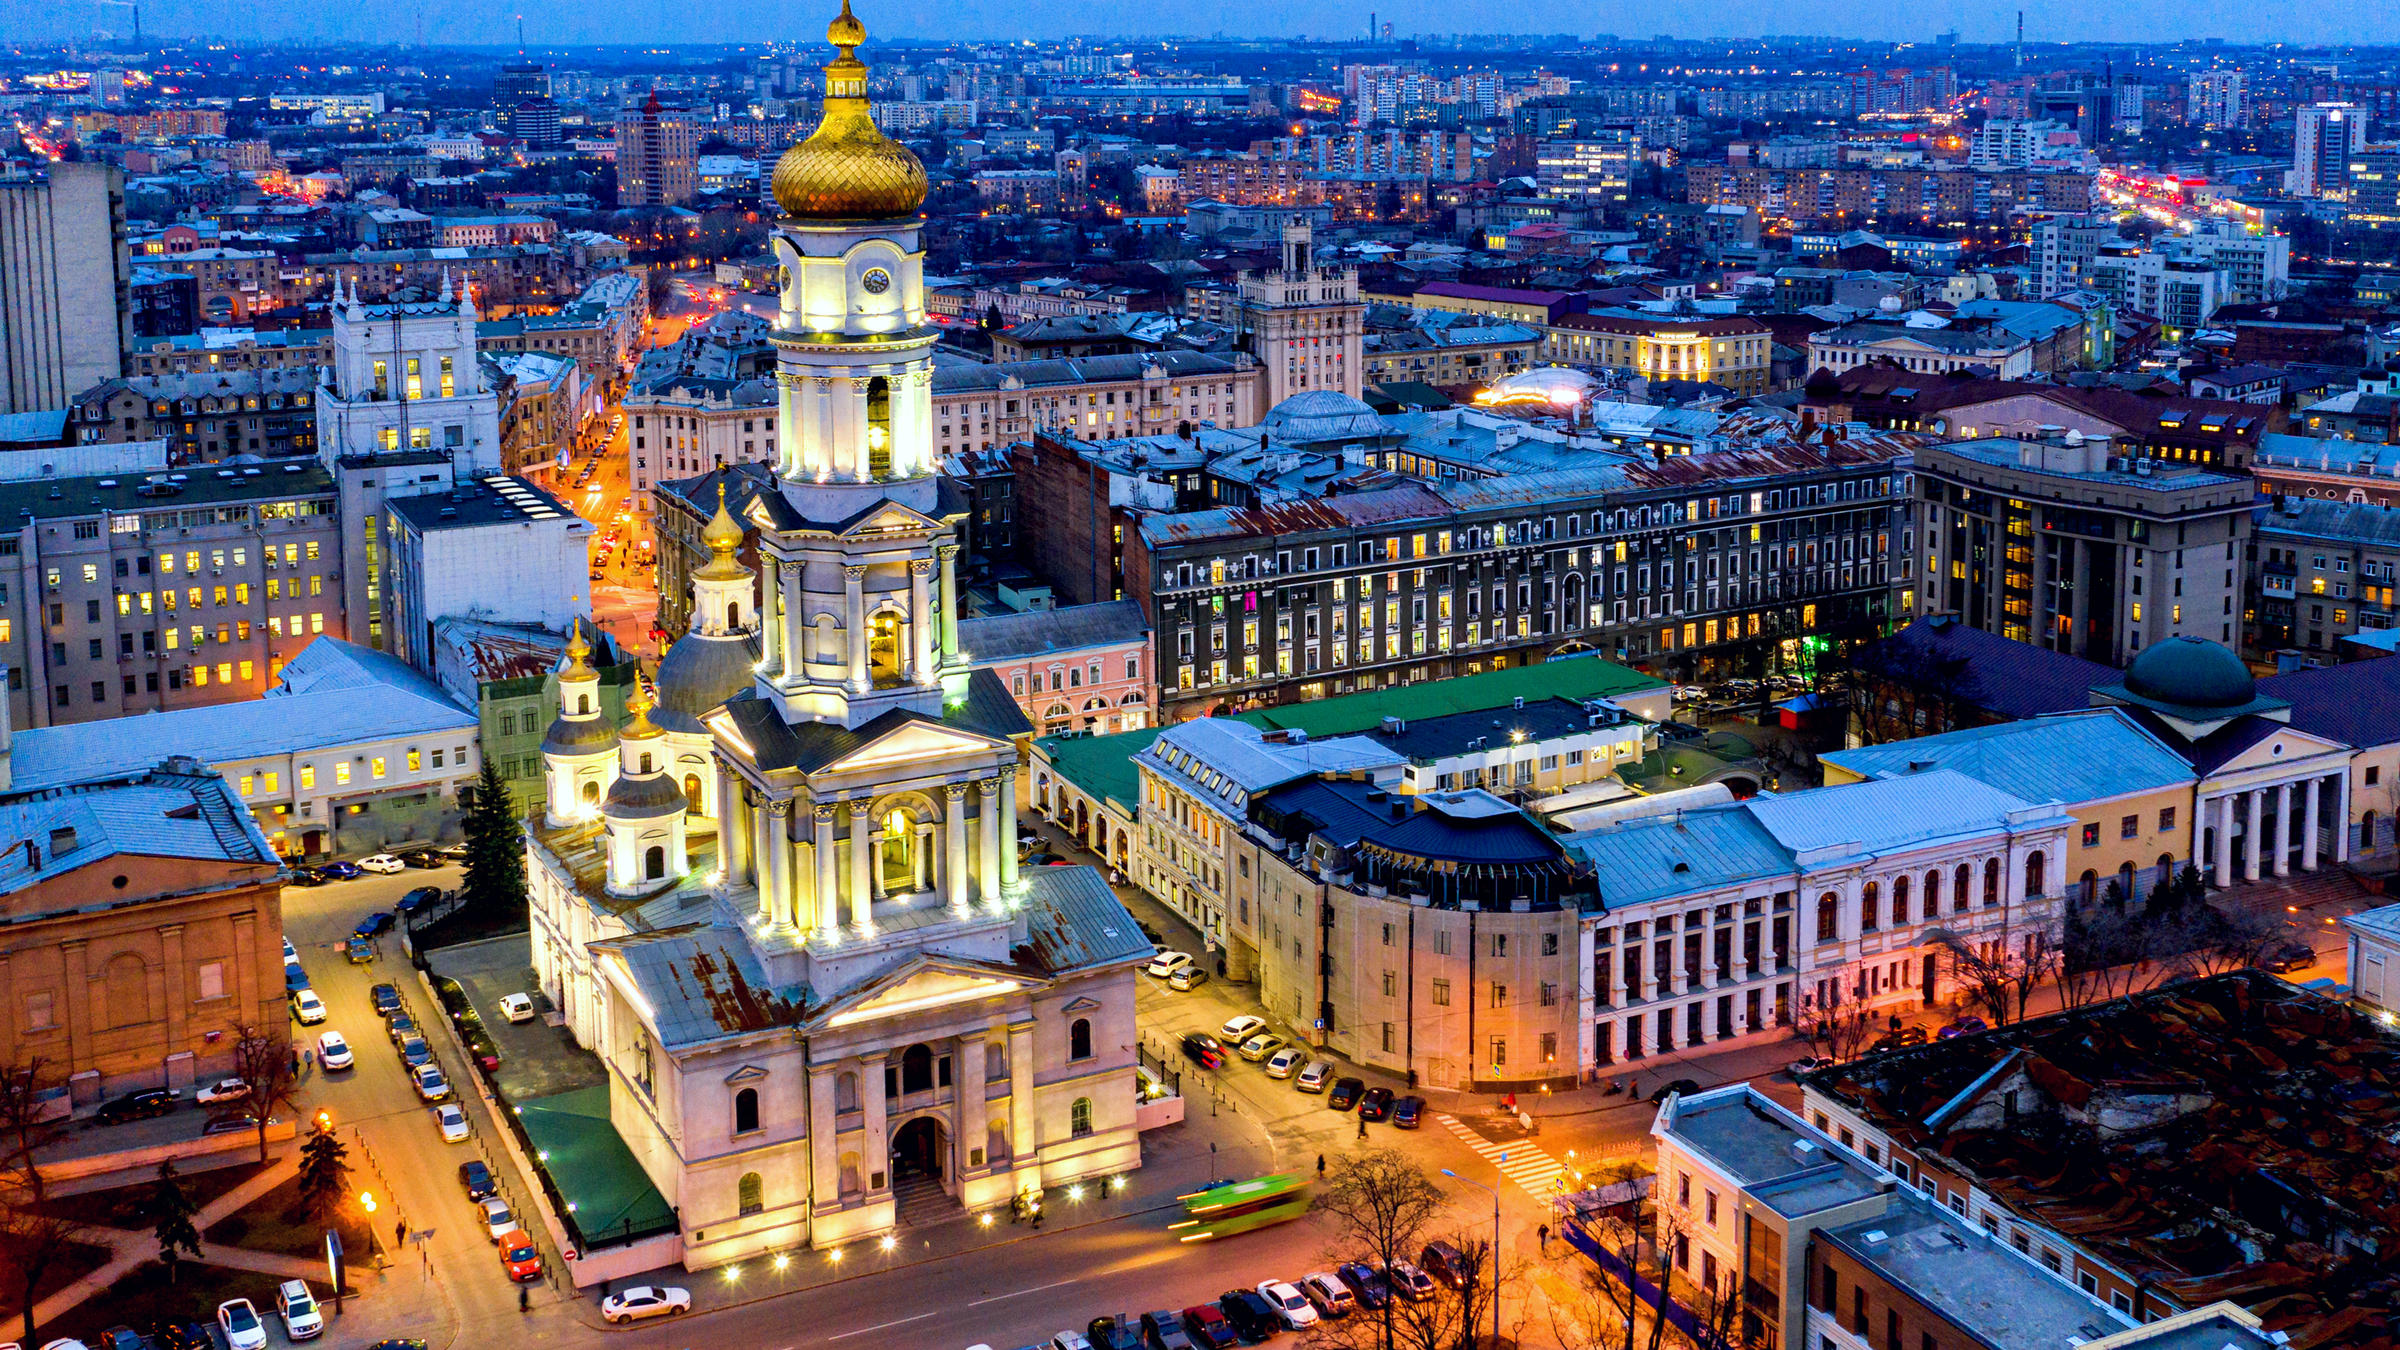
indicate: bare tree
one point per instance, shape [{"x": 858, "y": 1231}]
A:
[
  {"x": 1995, "y": 974},
  {"x": 28, "y": 1120},
  {"x": 1605, "y": 1310},
  {"x": 2220, "y": 940},
  {"x": 1382, "y": 1204},
  {"x": 1833, "y": 1029},
  {"x": 264, "y": 1061},
  {"x": 32, "y": 1244},
  {"x": 1902, "y": 689},
  {"x": 2108, "y": 952}
]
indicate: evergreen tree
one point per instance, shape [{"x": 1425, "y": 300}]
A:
[
  {"x": 171, "y": 1212},
  {"x": 495, "y": 845},
  {"x": 324, "y": 1175}
]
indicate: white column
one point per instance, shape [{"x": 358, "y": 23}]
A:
[
  {"x": 1008, "y": 835},
  {"x": 862, "y": 847},
  {"x": 1024, "y": 1150},
  {"x": 2341, "y": 822},
  {"x": 921, "y": 667},
  {"x": 954, "y": 853},
  {"x": 2283, "y": 829},
  {"x": 2224, "y": 850},
  {"x": 829, "y": 894},
  {"x": 949, "y": 555},
  {"x": 774, "y": 881},
  {"x": 771, "y": 644},
  {"x": 974, "y": 1133},
  {"x": 2308, "y": 827},
  {"x": 854, "y": 618},
  {"x": 2257, "y": 798},
  {"x": 921, "y": 854},
  {"x": 988, "y": 876}
]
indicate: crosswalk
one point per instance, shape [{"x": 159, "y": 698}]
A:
[{"x": 1523, "y": 1162}]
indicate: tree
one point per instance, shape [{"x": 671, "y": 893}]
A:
[
  {"x": 1602, "y": 1310},
  {"x": 1994, "y": 974},
  {"x": 29, "y": 1119},
  {"x": 2108, "y": 952},
  {"x": 495, "y": 870},
  {"x": 1381, "y": 1203},
  {"x": 324, "y": 1175},
  {"x": 1831, "y": 1028},
  {"x": 171, "y": 1214},
  {"x": 1901, "y": 689},
  {"x": 32, "y": 1244},
  {"x": 264, "y": 1060}
]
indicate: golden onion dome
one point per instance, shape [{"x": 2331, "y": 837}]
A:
[
  {"x": 848, "y": 169},
  {"x": 723, "y": 536}
]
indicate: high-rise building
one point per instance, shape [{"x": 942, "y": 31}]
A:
[
  {"x": 657, "y": 155},
  {"x": 2324, "y": 136},
  {"x": 1304, "y": 322},
  {"x": 2219, "y": 100},
  {"x": 535, "y": 122},
  {"x": 66, "y": 275},
  {"x": 1592, "y": 170},
  {"x": 520, "y": 81},
  {"x": 2375, "y": 188}
]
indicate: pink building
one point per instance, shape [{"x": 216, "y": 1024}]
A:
[{"x": 1082, "y": 668}]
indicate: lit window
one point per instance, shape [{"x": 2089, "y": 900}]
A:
[
  {"x": 375, "y": 767},
  {"x": 341, "y": 771}
]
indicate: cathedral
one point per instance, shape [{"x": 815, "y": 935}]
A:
[{"x": 782, "y": 904}]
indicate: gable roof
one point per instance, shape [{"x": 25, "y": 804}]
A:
[
  {"x": 810, "y": 746},
  {"x": 2082, "y": 756},
  {"x": 2357, "y": 703},
  {"x": 2003, "y": 677}
]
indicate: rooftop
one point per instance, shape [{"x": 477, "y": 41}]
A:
[
  {"x": 2081, "y": 756},
  {"x": 1014, "y": 637},
  {"x": 1102, "y": 766},
  {"x": 198, "y": 485},
  {"x": 1579, "y": 679},
  {"x": 1768, "y": 1151},
  {"x": 494, "y": 500},
  {"x": 1996, "y": 1293},
  {"x": 176, "y": 809}
]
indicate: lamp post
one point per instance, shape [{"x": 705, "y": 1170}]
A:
[{"x": 1495, "y": 1257}]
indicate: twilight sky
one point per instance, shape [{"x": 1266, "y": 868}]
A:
[{"x": 617, "y": 21}]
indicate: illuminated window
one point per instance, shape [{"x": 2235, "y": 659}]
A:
[
  {"x": 415, "y": 760},
  {"x": 308, "y": 776},
  {"x": 341, "y": 771},
  {"x": 375, "y": 767}
]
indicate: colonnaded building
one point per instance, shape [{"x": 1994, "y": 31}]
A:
[{"x": 785, "y": 909}]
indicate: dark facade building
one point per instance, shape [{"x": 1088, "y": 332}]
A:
[{"x": 165, "y": 304}]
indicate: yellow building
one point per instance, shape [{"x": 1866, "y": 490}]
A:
[{"x": 1737, "y": 353}]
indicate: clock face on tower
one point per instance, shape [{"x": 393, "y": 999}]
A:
[{"x": 876, "y": 281}]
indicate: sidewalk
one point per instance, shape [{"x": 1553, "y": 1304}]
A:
[{"x": 130, "y": 1249}]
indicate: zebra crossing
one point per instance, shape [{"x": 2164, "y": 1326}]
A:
[{"x": 1523, "y": 1162}]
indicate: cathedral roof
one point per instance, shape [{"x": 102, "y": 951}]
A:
[
  {"x": 642, "y": 797},
  {"x": 809, "y": 746},
  {"x": 580, "y": 736},
  {"x": 698, "y": 673},
  {"x": 848, "y": 169}
]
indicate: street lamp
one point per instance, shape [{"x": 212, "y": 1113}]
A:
[{"x": 1495, "y": 1258}]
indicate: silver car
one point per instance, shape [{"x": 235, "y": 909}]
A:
[{"x": 1314, "y": 1078}]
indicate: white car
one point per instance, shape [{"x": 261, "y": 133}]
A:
[
  {"x": 1326, "y": 1291},
  {"x": 382, "y": 862},
  {"x": 430, "y": 1083},
  {"x": 1285, "y": 1062},
  {"x": 333, "y": 1052},
  {"x": 645, "y": 1300},
  {"x": 1241, "y": 1029},
  {"x": 290, "y": 955},
  {"x": 307, "y": 1007},
  {"x": 517, "y": 1008},
  {"x": 1289, "y": 1304},
  {"x": 496, "y": 1218},
  {"x": 1166, "y": 963},
  {"x": 452, "y": 1120},
  {"x": 1070, "y": 1340},
  {"x": 241, "y": 1325},
  {"x": 222, "y": 1091},
  {"x": 302, "y": 1318}
]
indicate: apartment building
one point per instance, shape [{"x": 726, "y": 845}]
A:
[
  {"x": 2321, "y": 571},
  {"x": 204, "y": 416},
  {"x": 986, "y": 407},
  {"x": 1738, "y": 353}
]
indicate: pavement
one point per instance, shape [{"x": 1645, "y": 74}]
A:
[{"x": 129, "y": 1249}]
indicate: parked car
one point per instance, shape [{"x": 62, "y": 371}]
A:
[
  {"x": 308, "y": 1007},
  {"x": 238, "y": 1123},
  {"x": 1163, "y": 1330},
  {"x": 477, "y": 1178},
  {"x": 383, "y": 863},
  {"x": 1328, "y": 1294},
  {"x": 1203, "y": 1049},
  {"x": 298, "y": 875},
  {"x": 1260, "y": 1046},
  {"x": 1367, "y": 1283},
  {"x": 291, "y": 954},
  {"x": 497, "y": 1221},
  {"x": 123, "y": 1338},
  {"x": 644, "y": 1300},
  {"x": 334, "y": 1052},
  {"x": 1285, "y": 1062},
  {"x": 1209, "y": 1328},
  {"x": 340, "y": 871},
  {"x": 1314, "y": 1078},
  {"x": 2286, "y": 957},
  {"x": 415, "y": 1053},
  {"x": 386, "y": 998},
  {"x": 1113, "y": 1333},
  {"x": 452, "y": 1121},
  {"x": 1376, "y": 1105},
  {"x": 376, "y": 924},
  {"x": 1680, "y": 1087},
  {"x": 241, "y": 1325},
  {"x": 519, "y": 1257},
  {"x": 1345, "y": 1094},
  {"x": 1291, "y": 1306},
  {"x": 1166, "y": 963},
  {"x": 1408, "y": 1113},
  {"x": 1965, "y": 1026},
  {"x": 182, "y": 1336},
  {"x": 302, "y": 1318},
  {"x": 358, "y": 951},
  {"x": 517, "y": 1008},
  {"x": 424, "y": 857},
  {"x": 295, "y": 977},
  {"x": 1901, "y": 1039},
  {"x": 1187, "y": 979},
  {"x": 1253, "y": 1318},
  {"x": 430, "y": 1083},
  {"x": 221, "y": 1091},
  {"x": 419, "y": 899},
  {"x": 1445, "y": 1263},
  {"x": 1809, "y": 1064},
  {"x": 400, "y": 1026},
  {"x": 1242, "y": 1028},
  {"x": 1068, "y": 1340},
  {"x": 1409, "y": 1281},
  {"x": 136, "y": 1106}
]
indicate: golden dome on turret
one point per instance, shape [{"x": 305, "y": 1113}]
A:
[
  {"x": 723, "y": 536},
  {"x": 848, "y": 169},
  {"x": 638, "y": 704}
]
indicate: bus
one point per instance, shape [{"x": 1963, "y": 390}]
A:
[{"x": 1239, "y": 1206}]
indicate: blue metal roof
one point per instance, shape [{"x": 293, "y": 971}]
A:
[
  {"x": 1639, "y": 861},
  {"x": 2070, "y": 757},
  {"x": 1887, "y": 815}
]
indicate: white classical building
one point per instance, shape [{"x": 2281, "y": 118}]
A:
[{"x": 827, "y": 1004}]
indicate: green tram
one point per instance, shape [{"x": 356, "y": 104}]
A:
[{"x": 1239, "y": 1206}]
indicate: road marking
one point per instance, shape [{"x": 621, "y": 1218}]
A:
[
  {"x": 886, "y": 1326},
  {"x": 1523, "y": 1162},
  {"x": 1022, "y": 1292}
]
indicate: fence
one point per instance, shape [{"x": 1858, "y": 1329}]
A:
[{"x": 1579, "y": 1235}]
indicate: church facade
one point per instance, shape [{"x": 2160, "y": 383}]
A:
[{"x": 783, "y": 904}]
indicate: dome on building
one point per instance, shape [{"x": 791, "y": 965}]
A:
[
  {"x": 2191, "y": 672},
  {"x": 1321, "y": 415},
  {"x": 572, "y": 736},
  {"x": 1559, "y": 386},
  {"x": 648, "y": 791},
  {"x": 848, "y": 169},
  {"x": 698, "y": 673}
]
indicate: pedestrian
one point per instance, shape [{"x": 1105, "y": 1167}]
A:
[
  {"x": 1362, "y": 1127},
  {"x": 399, "y": 1232},
  {"x": 1320, "y": 1164},
  {"x": 524, "y": 1299},
  {"x": 1543, "y": 1232}
]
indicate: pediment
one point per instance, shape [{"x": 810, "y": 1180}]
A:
[
  {"x": 890, "y": 518},
  {"x": 928, "y": 984},
  {"x": 913, "y": 743},
  {"x": 748, "y": 1073},
  {"x": 1085, "y": 1004},
  {"x": 2288, "y": 745}
]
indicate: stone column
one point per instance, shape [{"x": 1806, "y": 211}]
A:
[
  {"x": 829, "y": 894},
  {"x": 733, "y": 825},
  {"x": 862, "y": 862},
  {"x": 1024, "y": 1150},
  {"x": 824, "y": 1151},
  {"x": 2250, "y": 841},
  {"x": 2224, "y": 850},
  {"x": 921, "y": 854},
  {"x": 974, "y": 1134},
  {"x": 2283, "y": 829},
  {"x": 874, "y": 1151},
  {"x": 775, "y": 881},
  {"x": 854, "y": 619},
  {"x": 1008, "y": 835},
  {"x": 954, "y": 851},
  {"x": 987, "y": 876},
  {"x": 179, "y": 1000},
  {"x": 2341, "y": 817},
  {"x": 921, "y": 667},
  {"x": 949, "y": 556},
  {"x": 770, "y": 628},
  {"x": 2308, "y": 830}
]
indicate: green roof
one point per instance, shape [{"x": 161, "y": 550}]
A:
[
  {"x": 591, "y": 1168},
  {"x": 1582, "y": 677},
  {"x": 1101, "y": 766}
]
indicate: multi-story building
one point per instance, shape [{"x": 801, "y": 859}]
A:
[
  {"x": 1303, "y": 322},
  {"x": 2063, "y": 249},
  {"x": 1927, "y": 351},
  {"x": 506, "y": 676},
  {"x": 2324, "y": 137},
  {"x": 2322, "y": 571},
  {"x": 1735, "y": 352},
  {"x": 218, "y": 350},
  {"x": 2220, "y": 435},
  {"x": 1594, "y": 171},
  {"x": 657, "y": 155},
  {"x": 1927, "y": 196},
  {"x": 2069, "y": 543},
  {"x": 204, "y": 416},
  {"x": 986, "y": 407},
  {"x": 1449, "y": 356},
  {"x": 66, "y": 305},
  {"x": 1084, "y": 668},
  {"x": 493, "y": 547},
  {"x": 680, "y": 512},
  {"x": 2219, "y": 100}
]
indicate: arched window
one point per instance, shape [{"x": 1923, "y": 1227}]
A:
[
  {"x": 645, "y": 763},
  {"x": 591, "y": 789},
  {"x": 583, "y": 704},
  {"x": 745, "y": 1111},
  {"x": 691, "y": 794},
  {"x": 753, "y": 1193},
  {"x": 1079, "y": 1118},
  {"x": 1959, "y": 882},
  {"x": 733, "y": 614},
  {"x": 2166, "y": 871},
  {"x": 1079, "y": 1039},
  {"x": 1991, "y": 882},
  {"x": 2091, "y": 885},
  {"x": 1899, "y": 901},
  {"x": 845, "y": 1092},
  {"x": 1869, "y": 901},
  {"x": 1828, "y": 919},
  {"x": 916, "y": 1069},
  {"x": 2366, "y": 831},
  {"x": 1933, "y": 894},
  {"x": 654, "y": 862},
  {"x": 2036, "y": 874},
  {"x": 879, "y": 428},
  {"x": 2125, "y": 878}
]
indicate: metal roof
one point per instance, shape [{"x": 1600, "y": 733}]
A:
[
  {"x": 173, "y": 810},
  {"x": 1887, "y": 815},
  {"x": 1008, "y": 637},
  {"x": 703, "y": 983},
  {"x": 2070, "y": 757},
  {"x": 1661, "y": 857},
  {"x": 1074, "y": 922}
]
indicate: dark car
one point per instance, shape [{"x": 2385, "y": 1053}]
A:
[
  {"x": 122, "y": 1338},
  {"x": 1043, "y": 859},
  {"x": 376, "y": 924},
  {"x": 295, "y": 977},
  {"x": 1446, "y": 1263},
  {"x": 1203, "y": 1049},
  {"x": 2284, "y": 958},
  {"x": 1208, "y": 1327},
  {"x": 341, "y": 871},
  {"x": 358, "y": 950},
  {"x": 414, "y": 1051},
  {"x": 304, "y": 876},
  {"x": 419, "y": 898},
  {"x": 1163, "y": 1330},
  {"x": 1964, "y": 1026},
  {"x": 387, "y": 999},
  {"x": 477, "y": 1178},
  {"x": 1376, "y": 1105},
  {"x": 398, "y": 1345},
  {"x": 1901, "y": 1039},
  {"x": 136, "y": 1106},
  {"x": 401, "y": 1025},
  {"x": 1252, "y": 1319},
  {"x": 1680, "y": 1087},
  {"x": 1345, "y": 1094},
  {"x": 1408, "y": 1113},
  {"x": 424, "y": 857},
  {"x": 181, "y": 1336},
  {"x": 1367, "y": 1283},
  {"x": 1114, "y": 1333}
]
